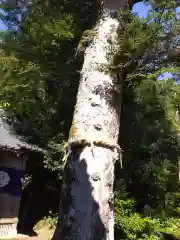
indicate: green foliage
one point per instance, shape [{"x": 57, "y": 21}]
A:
[
  {"x": 39, "y": 70},
  {"x": 149, "y": 127},
  {"x": 51, "y": 220},
  {"x": 54, "y": 158},
  {"x": 135, "y": 40},
  {"x": 145, "y": 48},
  {"x": 131, "y": 225},
  {"x": 48, "y": 222},
  {"x": 150, "y": 141}
]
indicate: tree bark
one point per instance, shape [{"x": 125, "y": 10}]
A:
[{"x": 86, "y": 209}]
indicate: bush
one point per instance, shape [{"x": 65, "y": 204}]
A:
[{"x": 130, "y": 225}]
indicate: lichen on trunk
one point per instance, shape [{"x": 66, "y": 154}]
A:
[{"x": 86, "y": 209}]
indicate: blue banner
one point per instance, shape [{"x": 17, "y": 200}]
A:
[{"x": 11, "y": 181}]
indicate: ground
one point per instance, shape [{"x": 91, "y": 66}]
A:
[{"x": 43, "y": 234}]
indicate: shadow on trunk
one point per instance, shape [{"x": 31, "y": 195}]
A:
[{"x": 79, "y": 217}]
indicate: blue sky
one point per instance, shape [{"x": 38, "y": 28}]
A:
[{"x": 141, "y": 9}]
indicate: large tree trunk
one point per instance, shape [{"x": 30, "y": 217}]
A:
[{"x": 86, "y": 209}]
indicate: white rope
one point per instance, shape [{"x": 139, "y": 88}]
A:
[{"x": 102, "y": 143}]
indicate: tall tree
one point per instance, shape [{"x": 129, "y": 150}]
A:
[
  {"x": 86, "y": 203},
  {"x": 86, "y": 210}
]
